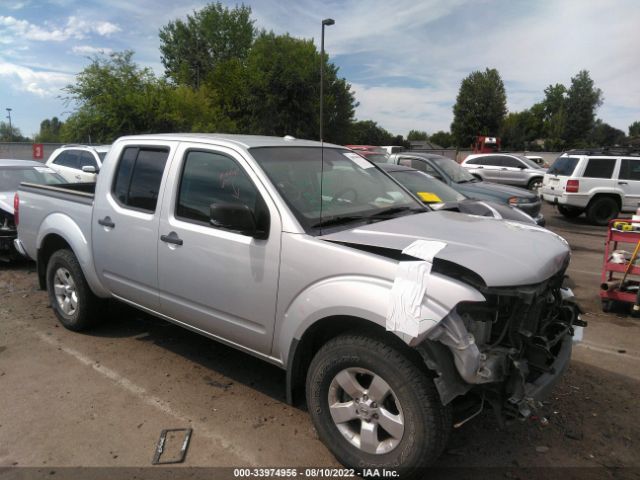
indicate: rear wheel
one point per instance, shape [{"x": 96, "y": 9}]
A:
[
  {"x": 601, "y": 210},
  {"x": 72, "y": 300},
  {"x": 373, "y": 407},
  {"x": 570, "y": 212}
]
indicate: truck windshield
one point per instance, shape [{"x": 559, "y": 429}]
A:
[
  {"x": 344, "y": 188},
  {"x": 563, "y": 166},
  {"x": 11, "y": 177}
]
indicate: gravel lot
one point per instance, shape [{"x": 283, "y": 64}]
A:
[{"x": 101, "y": 399}]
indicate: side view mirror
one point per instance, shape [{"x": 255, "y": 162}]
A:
[
  {"x": 89, "y": 169},
  {"x": 522, "y": 167},
  {"x": 236, "y": 217}
]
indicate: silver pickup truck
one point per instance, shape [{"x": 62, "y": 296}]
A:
[{"x": 392, "y": 320}]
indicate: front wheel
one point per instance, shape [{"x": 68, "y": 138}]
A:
[
  {"x": 373, "y": 407},
  {"x": 535, "y": 184},
  {"x": 72, "y": 300}
]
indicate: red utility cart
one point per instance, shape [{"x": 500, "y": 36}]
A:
[{"x": 619, "y": 240}]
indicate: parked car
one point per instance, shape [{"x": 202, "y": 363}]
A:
[
  {"x": 441, "y": 196},
  {"x": 507, "y": 168},
  {"x": 460, "y": 179},
  {"x": 599, "y": 183},
  {"x": 385, "y": 314},
  {"x": 78, "y": 163},
  {"x": 12, "y": 172},
  {"x": 373, "y": 153},
  {"x": 541, "y": 162}
]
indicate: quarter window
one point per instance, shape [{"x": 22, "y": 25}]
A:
[
  {"x": 630, "y": 170},
  {"x": 209, "y": 178},
  {"x": 138, "y": 177},
  {"x": 599, "y": 168}
]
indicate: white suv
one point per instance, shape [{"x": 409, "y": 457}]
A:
[
  {"x": 78, "y": 163},
  {"x": 601, "y": 183}
]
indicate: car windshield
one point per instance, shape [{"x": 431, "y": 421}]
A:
[
  {"x": 529, "y": 163},
  {"x": 563, "y": 166},
  {"x": 427, "y": 188},
  {"x": 454, "y": 171},
  {"x": 377, "y": 157},
  {"x": 343, "y": 188},
  {"x": 11, "y": 177}
]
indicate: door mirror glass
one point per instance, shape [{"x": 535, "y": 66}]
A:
[
  {"x": 236, "y": 217},
  {"x": 89, "y": 169}
]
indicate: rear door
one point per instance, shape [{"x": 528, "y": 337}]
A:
[
  {"x": 629, "y": 183},
  {"x": 598, "y": 175},
  {"x": 66, "y": 164},
  {"x": 125, "y": 222},
  {"x": 218, "y": 281}
]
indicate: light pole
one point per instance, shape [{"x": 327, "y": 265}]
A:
[
  {"x": 325, "y": 22},
  {"x": 10, "y": 128}
]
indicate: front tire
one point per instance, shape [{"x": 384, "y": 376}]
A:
[
  {"x": 534, "y": 184},
  {"x": 374, "y": 408},
  {"x": 601, "y": 210},
  {"x": 72, "y": 301}
]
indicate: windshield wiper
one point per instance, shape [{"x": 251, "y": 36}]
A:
[
  {"x": 391, "y": 212},
  {"x": 337, "y": 221}
]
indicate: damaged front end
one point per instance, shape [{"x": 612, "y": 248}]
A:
[{"x": 509, "y": 350}]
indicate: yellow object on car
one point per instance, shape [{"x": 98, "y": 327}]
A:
[{"x": 429, "y": 197}]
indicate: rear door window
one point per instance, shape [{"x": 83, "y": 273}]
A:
[
  {"x": 563, "y": 166},
  {"x": 138, "y": 177},
  {"x": 87, "y": 160},
  {"x": 69, "y": 159},
  {"x": 599, "y": 168}
]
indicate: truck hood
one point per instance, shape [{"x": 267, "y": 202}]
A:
[
  {"x": 6, "y": 201},
  {"x": 504, "y": 253}
]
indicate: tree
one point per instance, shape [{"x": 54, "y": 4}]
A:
[
  {"x": 116, "y": 97},
  {"x": 192, "y": 49},
  {"x": 368, "y": 132},
  {"x": 282, "y": 79},
  {"x": 12, "y": 134},
  {"x": 604, "y": 135},
  {"x": 417, "y": 135},
  {"x": 519, "y": 129},
  {"x": 583, "y": 98},
  {"x": 480, "y": 107},
  {"x": 634, "y": 129},
  {"x": 50, "y": 130},
  {"x": 444, "y": 139}
]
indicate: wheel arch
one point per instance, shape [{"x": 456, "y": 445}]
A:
[{"x": 303, "y": 350}]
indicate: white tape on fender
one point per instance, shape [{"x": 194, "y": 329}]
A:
[{"x": 409, "y": 288}]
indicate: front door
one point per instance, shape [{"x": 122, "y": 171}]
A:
[
  {"x": 629, "y": 183},
  {"x": 216, "y": 280},
  {"x": 125, "y": 223}
]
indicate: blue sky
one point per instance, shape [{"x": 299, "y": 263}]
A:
[{"x": 404, "y": 58}]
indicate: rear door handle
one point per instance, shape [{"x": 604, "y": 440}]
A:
[
  {"x": 623, "y": 183},
  {"x": 171, "y": 238},
  {"x": 106, "y": 222},
  {"x": 503, "y": 169}
]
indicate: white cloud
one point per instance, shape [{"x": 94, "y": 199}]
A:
[
  {"x": 41, "y": 83},
  {"x": 89, "y": 50},
  {"x": 13, "y": 28}
]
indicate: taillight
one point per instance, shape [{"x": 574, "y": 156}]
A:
[
  {"x": 16, "y": 209},
  {"x": 573, "y": 186}
]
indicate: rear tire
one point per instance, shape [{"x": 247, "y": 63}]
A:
[
  {"x": 71, "y": 299},
  {"x": 601, "y": 210},
  {"x": 570, "y": 212},
  {"x": 347, "y": 374}
]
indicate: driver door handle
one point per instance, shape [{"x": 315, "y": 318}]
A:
[
  {"x": 106, "y": 222},
  {"x": 172, "y": 238},
  {"x": 623, "y": 183}
]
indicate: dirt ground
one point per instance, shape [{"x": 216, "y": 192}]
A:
[{"x": 101, "y": 399}]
